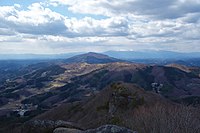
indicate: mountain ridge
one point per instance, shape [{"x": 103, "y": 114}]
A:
[
  {"x": 92, "y": 58},
  {"x": 152, "y": 54},
  {"x": 44, "y": 86},
  {"x": 116, "y": 54}
]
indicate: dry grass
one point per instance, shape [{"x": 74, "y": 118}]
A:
[{"x": 165, "y": 118}]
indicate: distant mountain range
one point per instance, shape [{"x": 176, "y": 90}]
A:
[
  {"x": 116, "y": 54},
  {"x": 92, "y": 58},
  {"x": 151, "y": 55},
  {"x": 36, "y": 56},
  {"x": 87, "y": 88}
]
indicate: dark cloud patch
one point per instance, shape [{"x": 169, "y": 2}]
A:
[
  {"x": 7, "y": 32},
  {"x": 160, "y": 9}
]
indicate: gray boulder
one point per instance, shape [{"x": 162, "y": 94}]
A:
[
  {"x": 109, "y": 129},
  {"x": 66, "y": 130},
  {"x": 102, "y": 129}
]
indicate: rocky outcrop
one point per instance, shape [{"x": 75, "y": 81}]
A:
[
  {"x": 51, "y": 124},
  {"x": 110, "y": 129},
  {"x": 102, "y": 129},
  {"x": 40, "y": 126},
  {"x": 122, "y": 98},
  {"x": 66, "y": 130}
]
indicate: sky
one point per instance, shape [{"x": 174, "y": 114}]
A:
[{"x": 65, "y": 26}]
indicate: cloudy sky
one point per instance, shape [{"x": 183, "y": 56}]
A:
[{"x": 63, "y": 26}]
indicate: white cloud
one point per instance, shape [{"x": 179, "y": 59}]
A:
[
  {"x": 127, "y": 24},
  {"x": 39, "y": 20},
  {"x": 35, "y": 20}
]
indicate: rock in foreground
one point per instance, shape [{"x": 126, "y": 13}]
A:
[
  {"x": 66, "y": 130},
  {"x": 102, "y": 129}
]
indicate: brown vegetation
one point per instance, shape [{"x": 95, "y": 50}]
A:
[
  {"x": 155, "y": 115},
  {"x": 165, "y": 118}
]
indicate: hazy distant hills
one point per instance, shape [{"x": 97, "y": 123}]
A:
[
  {"x": 151, "y": 55},
  {"x": 158, "y": 57},
  {"x": 36, "y": 56},
  {"x": 116, "y": 54},
  {"x": 144, "y": 57}
]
